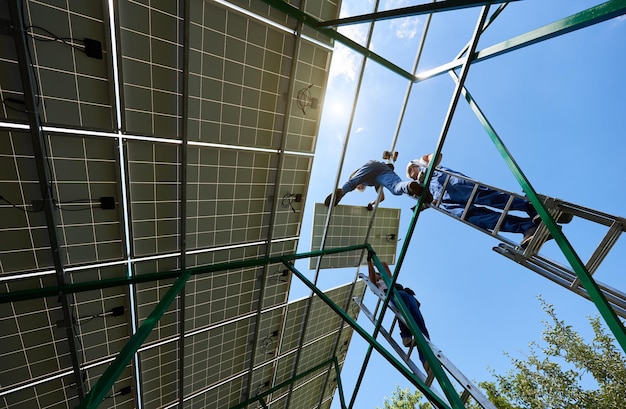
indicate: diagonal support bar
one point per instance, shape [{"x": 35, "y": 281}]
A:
[
  {"x": 418, "y": 383},
  {"x": 586, "y": 18},
  {"x": 342, "y": 400},
  {"x": 445, "y": 5},
  {"x": 113, "y": 372},
  {"x": 592, "y": 288},
  {"x": 422, "y": 344},
  {"x": 110, "y": 375},
  {"x": 259, "y": 397}
]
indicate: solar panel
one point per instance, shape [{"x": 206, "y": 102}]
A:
[
  {"x": 221, "y": 357},
  {"x": 348, "y": 226},
  {"x": 74, "y": 89},
  {"x": 151, "y": 52},
  {"x": 218, "y": 117}
]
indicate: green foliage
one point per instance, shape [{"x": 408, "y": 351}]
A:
[
  {"x": 550, "y": 376},
  {"x": 404, "y": 399},
  {"x": 556, "y": 375},
  {"x": 495, "y": 397}
]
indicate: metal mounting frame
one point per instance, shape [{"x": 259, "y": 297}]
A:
[
  {"x": 583, "y": 272},
  {"x": 577, "y": 21}
]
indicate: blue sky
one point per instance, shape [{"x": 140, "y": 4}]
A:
[{"x": 560, "y": 109}]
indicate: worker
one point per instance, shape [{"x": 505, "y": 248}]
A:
[
  {"x": 377, "y": 174},
  {"x": 408, "y": 297}
]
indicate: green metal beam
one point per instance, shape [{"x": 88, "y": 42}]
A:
[
  {"x": 110, "y": 375},
  {"x": 259, "y": 398},
  {"x": 262, "y": 402},
  {"x": 467, "y": 61},
  {"x": 312, "y": 22},
  {"x": 54, "y": 291},
  {"x": 432, "y": 397},
  {"x": 445, "y": 5},
  {"x": 609, "y": 315},
  {"x": 585, "y": 18},
  {"x": 342, "y": 399},
  {"x": 113, "y": 372}
]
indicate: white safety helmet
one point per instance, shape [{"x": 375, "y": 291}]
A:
[{"x": 414, "y": 162}]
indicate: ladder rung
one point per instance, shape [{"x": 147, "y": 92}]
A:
[
  {"x": 605, "y": 246},
  {"x": 530, "y": 257},
  {"x": 563, "y": 276}
]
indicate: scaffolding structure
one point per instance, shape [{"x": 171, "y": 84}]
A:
[{"x": 578, "y": 276}]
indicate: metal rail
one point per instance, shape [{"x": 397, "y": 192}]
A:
[
  {"x": 434, "y": 7},
  {"x": 329, "y": 213},
  {"x": 31, "y": 100},
  {"x": 407, "y": 95},
  {"x": 275, "y": 208}
]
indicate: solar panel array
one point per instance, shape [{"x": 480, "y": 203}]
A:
[
  {"x": 348, "y": 226},
  {"x": 184, "y": 145}
]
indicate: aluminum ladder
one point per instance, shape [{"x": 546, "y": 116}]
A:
[
  {"x": 530, "y": 258},
  {"x": 468, "y": 388}
]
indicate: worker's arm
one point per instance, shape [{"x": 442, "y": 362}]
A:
[{"x": 371, "y": 272}]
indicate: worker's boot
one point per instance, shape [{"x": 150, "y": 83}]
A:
[
  {"x": 563, "y": 218},
  {"x": 338, "y": 195},
  {"x": 415, "y": 189}
]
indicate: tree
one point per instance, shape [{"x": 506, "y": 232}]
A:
[
  {"x": 565, "y": 373},
  {"x": 552, "y": 376},
  {"x": 404, "y": 399}
]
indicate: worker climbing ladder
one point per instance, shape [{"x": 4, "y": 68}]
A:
[
  {"x": 529, "y": 256},
  {"x": 468, "y": 389}
]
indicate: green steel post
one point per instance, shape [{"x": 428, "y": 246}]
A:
[
  {"x": 281, "y": 385},
  {"x": 453, "y": 103},
  {"x": 442, "y": 137},
  {"x": 23, "y": 295},
  {"x": 585, "y": 18},
  {"x": 434, "y": 363},
  {"x": 313, "y": 23},
  {"x": 609, "y": 315},
  {"x": 110, "y": 375},
  {"x": 436, "y": 400},
  {"x": 435, "y": 7},
  {"x": 342, "y": 400}
]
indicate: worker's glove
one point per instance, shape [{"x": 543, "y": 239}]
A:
[{"x": 370, "y": 254}]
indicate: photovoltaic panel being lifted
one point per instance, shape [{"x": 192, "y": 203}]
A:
[{"x": 348, "y": 226}]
